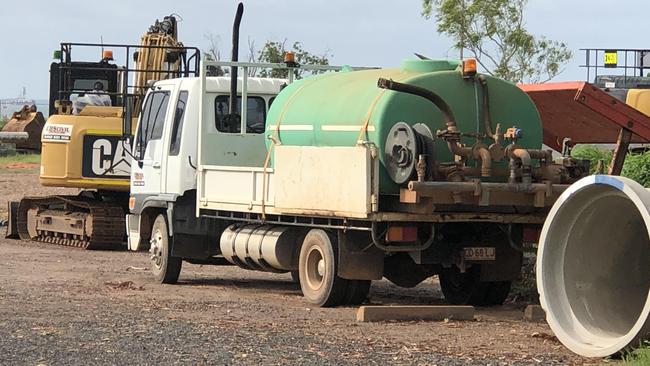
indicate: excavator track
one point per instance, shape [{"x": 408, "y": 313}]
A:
[{"x": 76, "y": 221}]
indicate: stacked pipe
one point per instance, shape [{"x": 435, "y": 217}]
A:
[{"x": 593, "y": 266}]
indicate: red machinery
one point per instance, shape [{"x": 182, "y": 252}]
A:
[{"x": 583, "y": 113}]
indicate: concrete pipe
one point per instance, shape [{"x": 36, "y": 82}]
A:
[
  {"x": 593, "y": 266},
  {"x": 13, "y": 136}
]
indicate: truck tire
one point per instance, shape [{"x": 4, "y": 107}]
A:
[
  {"x": 497, "y": 292},
  {"x": 165, "y": 268},
  {"x": 295, "y": 277},
  {"x": 318, "y": 268},
  {"x": 357, "y": 292},
  {"x": 467, "y": 288}
]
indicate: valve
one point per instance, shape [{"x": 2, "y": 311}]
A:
[{"x": 514, "y": 133}]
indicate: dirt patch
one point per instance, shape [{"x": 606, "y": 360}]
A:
[
  {"x": 14, "y": 186},
  {"x": 124, "y": 285},
  {"x": 18, "y": 166}
]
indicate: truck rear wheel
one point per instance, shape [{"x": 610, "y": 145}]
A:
[
  {"x": 467, "y": 288},
  {"x": 165, "y": 268},
  {"x": 357, "y": 292},
  {"x": 318, "y": 267}
]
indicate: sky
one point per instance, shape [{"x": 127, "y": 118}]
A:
[{"x": 355, "y": 32}]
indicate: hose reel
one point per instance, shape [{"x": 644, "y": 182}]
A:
[{"x": 404, "y": 145}]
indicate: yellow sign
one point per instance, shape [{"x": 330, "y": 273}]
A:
[{"x": 611, "y": 58}]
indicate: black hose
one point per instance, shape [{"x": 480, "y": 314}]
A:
[
  {"x": 487, "y": 120},
  {"x": 421, "y": 92}
]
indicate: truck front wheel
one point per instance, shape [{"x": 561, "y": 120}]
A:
[{"x": 165, "y": 268}]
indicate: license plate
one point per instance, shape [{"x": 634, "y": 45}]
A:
[{"x": 480, "y": 254}]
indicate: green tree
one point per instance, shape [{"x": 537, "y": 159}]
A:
[
  {"x": 273, "y": 52},
  {"x": 595, "y": 154},
  {"x": 213, "y": 53},
  {"x": 493, "y": 31},
  {"x": 636, "y": 167}
]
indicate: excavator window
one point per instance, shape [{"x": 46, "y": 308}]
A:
[
  {"x": 71, "y": 79},
  {"x": 88, "y": 84}
]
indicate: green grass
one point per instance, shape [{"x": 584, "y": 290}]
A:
[
  {"x": 638, "y": 357},
  {"x": 27, "y": 159},
  {"x": 21, "y": 158}
]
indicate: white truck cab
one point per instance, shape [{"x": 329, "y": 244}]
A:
[{"x": 166, "y": 140}]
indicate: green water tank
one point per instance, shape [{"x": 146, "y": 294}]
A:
[{"x": 330, "y": 109}]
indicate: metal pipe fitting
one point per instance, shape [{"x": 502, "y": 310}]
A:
[
  {"x": 458, "y": 150},
  {"x": 545, "y": 155},
  {"x": 526, "y": 165},
  {"x": 512, "y": 178},
  {"x": 482, "y": 153},
  {"x": 479, "y": 152}
]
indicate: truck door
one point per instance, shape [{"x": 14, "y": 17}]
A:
[{"x": 149, "y": 150}]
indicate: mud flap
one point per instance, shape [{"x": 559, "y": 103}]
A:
[
  {"x": 359, "y": 259},
  {"x": 12, "y": 226},
  {"x": 507, "y": 266}
]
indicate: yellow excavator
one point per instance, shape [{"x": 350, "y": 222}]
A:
[{"x": 86, "y": 140}]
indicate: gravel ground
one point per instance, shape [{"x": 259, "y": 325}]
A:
[{"x": 64, "y": 306}]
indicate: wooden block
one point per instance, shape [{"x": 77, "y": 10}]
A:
[
  {"x": 408, "y": 196},
  {"x": 534, "y": 313},
  {"x": 405, "y": 313}
]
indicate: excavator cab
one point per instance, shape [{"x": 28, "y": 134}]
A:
[{"x": 71, "y": 79}]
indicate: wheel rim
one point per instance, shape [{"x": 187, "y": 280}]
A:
[
  {"x": 156, "y": 249},
  {"x": 315, "y": 268}
]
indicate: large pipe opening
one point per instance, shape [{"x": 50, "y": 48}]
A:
[{"x": 593, "y": 266}]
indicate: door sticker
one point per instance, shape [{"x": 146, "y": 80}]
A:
[
  {"x": 138, "y": 179},
  {"x": 56, "y": 132}
]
